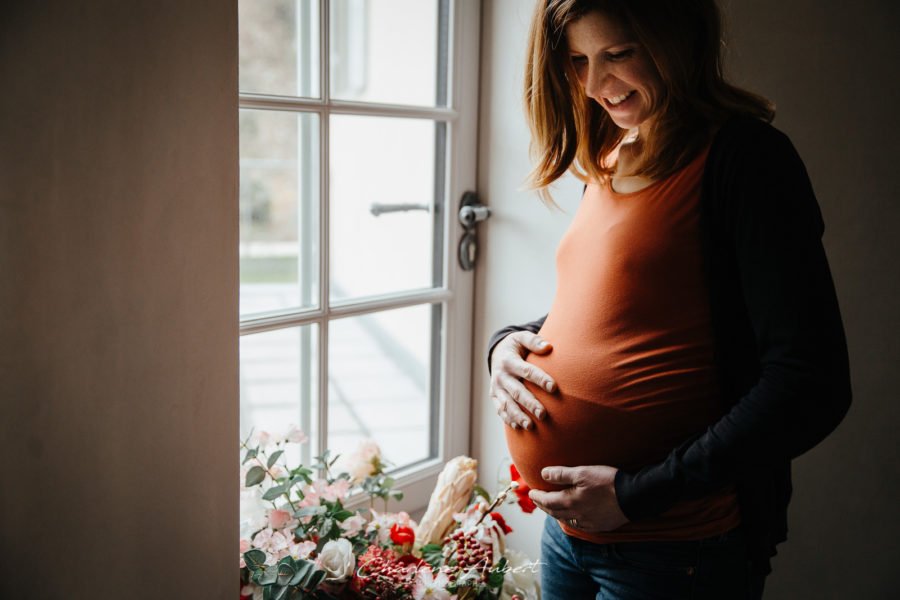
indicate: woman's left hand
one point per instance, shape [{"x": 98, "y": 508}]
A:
[{"x": 591, "y": 499}]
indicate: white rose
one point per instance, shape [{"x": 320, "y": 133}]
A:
[
  {"x": 520, "y": 574},
  {"x": 337, "y": 558}
]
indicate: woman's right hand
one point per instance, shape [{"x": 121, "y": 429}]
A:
[{"x": 508, "y": 369}]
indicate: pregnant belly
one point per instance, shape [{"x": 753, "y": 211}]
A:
[
  {"x": 603, "y": 430},
  {"x": 576, "y": 432}
]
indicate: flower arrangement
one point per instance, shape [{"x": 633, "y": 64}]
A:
[{"x": 299, "y": 541}]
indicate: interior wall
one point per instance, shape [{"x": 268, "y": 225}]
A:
[
  {"x": 814, "y": 59},
  {"x": 516, "y": 276},
  {"x": 118, "y": 307},
  {"x": 831, "y": 69}
]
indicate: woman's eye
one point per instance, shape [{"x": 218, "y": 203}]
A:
[
  {"x": 579, "y": 61},
  {"x": 620, "y": 55}
]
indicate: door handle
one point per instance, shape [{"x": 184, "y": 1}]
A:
[{"x": 471, "y": 212}]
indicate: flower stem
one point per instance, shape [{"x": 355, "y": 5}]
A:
[{"x": 500, "y": 498}]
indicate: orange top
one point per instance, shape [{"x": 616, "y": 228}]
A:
[{"x": 632, "y": 350}]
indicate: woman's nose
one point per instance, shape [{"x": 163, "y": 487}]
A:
[{"x": 596, "y": 80}]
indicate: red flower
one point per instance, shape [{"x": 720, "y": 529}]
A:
[
  {"x": 501, "y": 522},
  {"x": 402, "y": 535},
  {"x": 522, "y": 490}
]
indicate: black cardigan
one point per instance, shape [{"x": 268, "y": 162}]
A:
[{"x": 780, "y": 348}]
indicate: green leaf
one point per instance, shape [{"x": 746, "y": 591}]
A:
[
  {"x": 280, "y": 593},
  {"x": 274, "y": 458},
  {"x": 495, "y": 579},
  {"x": 433, "y": 554},
  {"x": 327, "y": 525},
  {"x": 269, "y": 575},
  {"x": 310, "y": 510},
  {"x": 342, "y": 515},
  {"x": 255, "y": 476},
  {"x": 274, "y": 492},
  {"x": 388, "y": 482},
  {"x": 251, "y": 453},
  {"x": 315, "y": 579},
  {"x": 398, "y": 495},
  {"x": 286, "y": 570},
  {"x": 255, "y": 559},
  {"x": 295, "y": 480},
  {"x": 304, "y": 570}
]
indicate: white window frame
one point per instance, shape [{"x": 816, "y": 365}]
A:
[{"x": 461, "y": 117}]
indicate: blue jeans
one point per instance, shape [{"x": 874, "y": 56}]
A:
[{"x": 712, "y": 568}]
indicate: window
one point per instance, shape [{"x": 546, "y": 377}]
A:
[{"x": 357, "y": 132}]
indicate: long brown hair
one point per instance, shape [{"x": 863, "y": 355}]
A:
[{"x": 570, "y": 131}]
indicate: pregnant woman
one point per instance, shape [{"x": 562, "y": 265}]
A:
[{"x": 694, "y": 345}]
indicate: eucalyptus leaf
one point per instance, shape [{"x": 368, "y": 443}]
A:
[
  {"x": 280, "y": 593},
  {"x": 254, "y": 559},
  {"x": 327, "y": 525},
  {"x": 255, "y": 476},
  {"x": 286, "y": 570},
  {"x": 316, "y": 578},
  {"x": 274, "y": 458},
  {"x": 304, "y": 569},
  {"x": 251, "y": 453},
  {"x": 269, "y": 576},
  {"x": 274, "y": 492},
  {"x": 310, "y": 510}
]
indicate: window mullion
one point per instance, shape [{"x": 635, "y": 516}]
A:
[{"x": 324, "y": 231}]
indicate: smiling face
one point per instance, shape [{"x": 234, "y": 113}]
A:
[{"x": 614, "y": 69}]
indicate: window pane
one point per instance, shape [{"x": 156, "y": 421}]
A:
[
  {"x": 279, "y": 210},
  {"x": 387, "y": 52},
  {"x": 279, "y": 47},
  {"x": 379, "y": 165},
  {"x": 279, "y": 386},
  {"x": 380, "y": 381}
]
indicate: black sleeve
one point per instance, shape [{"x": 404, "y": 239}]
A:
[
  {"x": 532, "y": 326},
  {"x": 803, "y": 391}
]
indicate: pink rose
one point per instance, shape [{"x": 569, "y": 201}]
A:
[{"x": 278, "y": 518}]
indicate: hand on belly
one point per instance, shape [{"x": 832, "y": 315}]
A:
[{"x": 576, "y": 433}]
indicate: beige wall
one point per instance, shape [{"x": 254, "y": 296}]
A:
[
  {"x": 118, "y": 307},
  {"x": 831, "y": 68}
]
